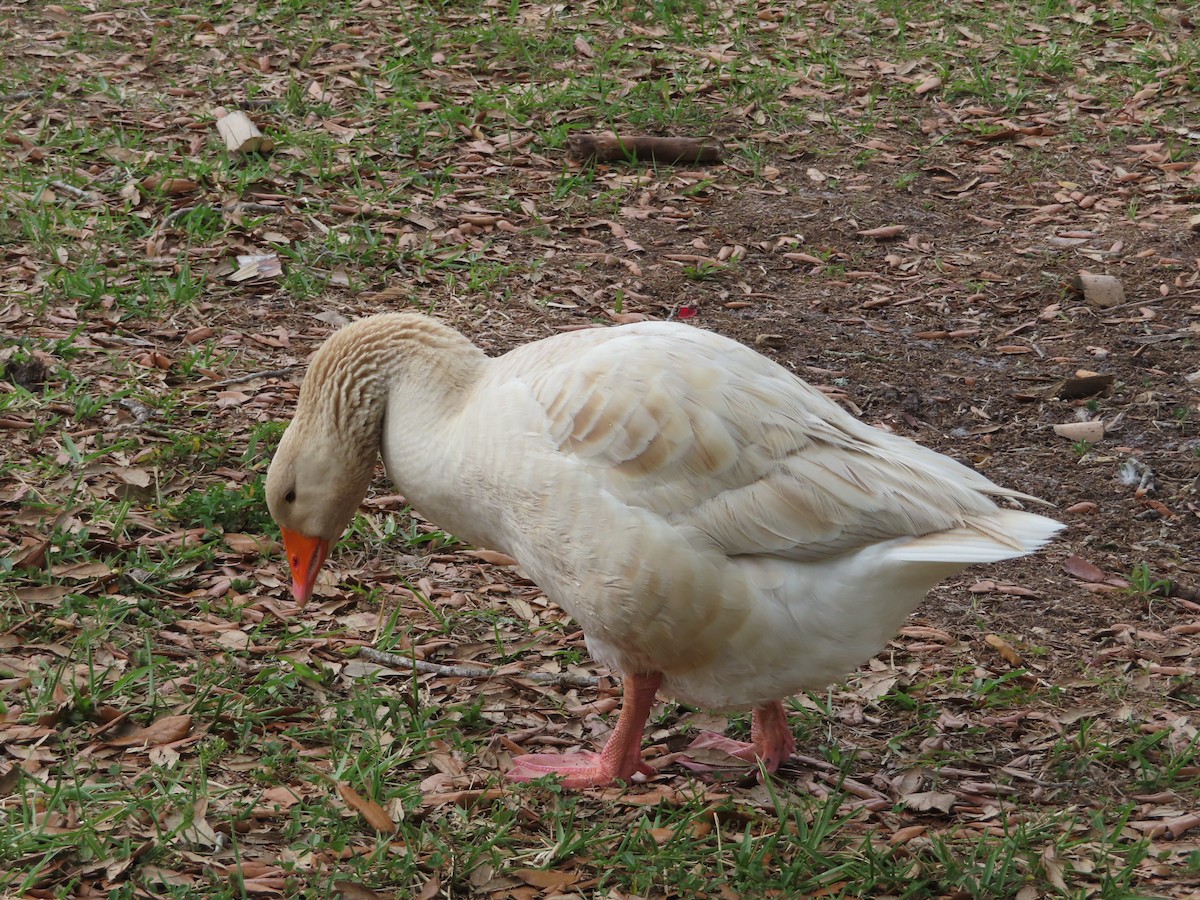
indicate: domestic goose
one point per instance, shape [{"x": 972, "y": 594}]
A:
[{"x": 722, "y": 532}]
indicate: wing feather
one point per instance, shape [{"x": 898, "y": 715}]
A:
[{"x": 721, "y": 441}]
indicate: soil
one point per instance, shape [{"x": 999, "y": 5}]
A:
[
  {"x": 960, "y": 332},
  {"x": 960, "y": 328}
]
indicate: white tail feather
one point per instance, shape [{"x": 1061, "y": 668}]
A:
[{"x": 1006, "y": 535}]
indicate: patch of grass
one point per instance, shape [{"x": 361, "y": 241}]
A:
[
  {"x": 237, "y": 508},
  {"x": 1142, "y": 582},
  {"x": 423, "y": 144}
]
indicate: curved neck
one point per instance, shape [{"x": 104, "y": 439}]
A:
[{"x": 354, "y": 373}]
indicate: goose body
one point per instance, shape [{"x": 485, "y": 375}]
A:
[{"x": 720, "y": 530}]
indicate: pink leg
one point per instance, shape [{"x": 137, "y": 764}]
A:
[
  {"x": 621, "y": 757},
  {"x": 771, "y": 740}
]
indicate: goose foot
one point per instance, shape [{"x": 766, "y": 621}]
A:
[
  {"x": 771, "y": 742},
  {"x": 621, "y": 758}
]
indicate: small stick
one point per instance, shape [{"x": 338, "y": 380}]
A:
[
  {"x": 564, "y": 679},
  {"x": 78, "y": 193},
  {"x": 610, "y": 147},
  {"x": 140, "y": 412},
  {"x": 242, "y": 379},
  {"x": 228, "y": 207}
]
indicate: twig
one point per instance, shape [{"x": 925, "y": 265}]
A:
[
  {"x": 78, "y": 193},
  {"x": 228, "y": 207},
  {"x": 242, "y": 379},
  {"x": 183, "y": 211},
  {"x": 19, "y": 95},
  {"x": 564, "y": 679},
  {"x": 140, "y": 412}
]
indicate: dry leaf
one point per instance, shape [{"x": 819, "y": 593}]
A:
[
  {"x": 884, "y": 232},
  {"x": 1081, "y": 568},
  {"x": 1004, "y": 648},
  {"x": 492, "y": 557},
  {"x": 166, "y": 730},
  {"x": 249, "y": 544},
  {"x": 349, "y": 890},
  {"x": 543, "y": 878},
  {"x": 368, "y": 809},
  {"x": 931, "y": 82},
  {"x": 924, "y": 801},
  {"x": 1081, "y": 386}
]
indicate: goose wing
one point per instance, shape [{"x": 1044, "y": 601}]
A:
[{"x": 722, "y": 441}]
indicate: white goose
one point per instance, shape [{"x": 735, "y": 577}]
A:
[{"x": 722, "y": 531}]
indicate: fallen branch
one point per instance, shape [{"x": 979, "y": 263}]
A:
[
  {"x": 141, "y": 412},
  {"x": 242, "y": 379},
  {"x": 611, "y": 147},
  {"x": 228, "y": 207},
  {"x": 563, "y": 679},
  {"x": 78, "y": 193}
]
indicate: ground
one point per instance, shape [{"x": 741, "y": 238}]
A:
[{"x": 907, "y": 197}]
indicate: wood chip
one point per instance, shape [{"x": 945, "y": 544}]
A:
[
  {"x": 1101, "y": 291},
  {"x": 1078, "y": 387},
  {"x": 241, "y": 135},
  {"x": 1081, "y": 431}
]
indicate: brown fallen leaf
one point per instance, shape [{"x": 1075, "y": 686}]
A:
[
  {"x": 33, "y": 554},
  {"x": 930, "y": 82},
  {"x": 348, "y": 890},
  {"x": 1080, "y": 386},
  {"x": 923, "y": 801},
  {"x": 249, "y": 544},
  {"x": 462, "y": 798},
  {"x": 544, "y": 878},
  {"x": 135, "y": 476},
  {"x": 166, "y": 730},
  {"x": 883, "y": 232},
  {"x": 492, "y": 557},
  {"x": 50, "y": 594},
  {"x": 169, "y": 185},
  {"x": 368, "y": 809},
  {"x": 1004, "y": 648},
  {"x": 9, "y": 780},
  {"x": 906, "y": 834},
  {"x": 1102, "y": 291},
  {"x": 1081, "y": 568}
]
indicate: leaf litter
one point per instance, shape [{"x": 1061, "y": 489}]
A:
[{"x": 906, "y": 240}]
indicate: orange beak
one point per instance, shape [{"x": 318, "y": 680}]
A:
[{"x": 305, "y": 555}]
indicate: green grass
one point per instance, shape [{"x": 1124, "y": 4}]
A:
[{"x": 140, "y": 608}]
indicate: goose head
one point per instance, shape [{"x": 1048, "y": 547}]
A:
[
  {"x": 313, "y": 491},
  {"x": 325, "y": 461}
]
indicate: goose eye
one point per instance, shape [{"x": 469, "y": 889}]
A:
[{"x": 290, "y": 496}]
